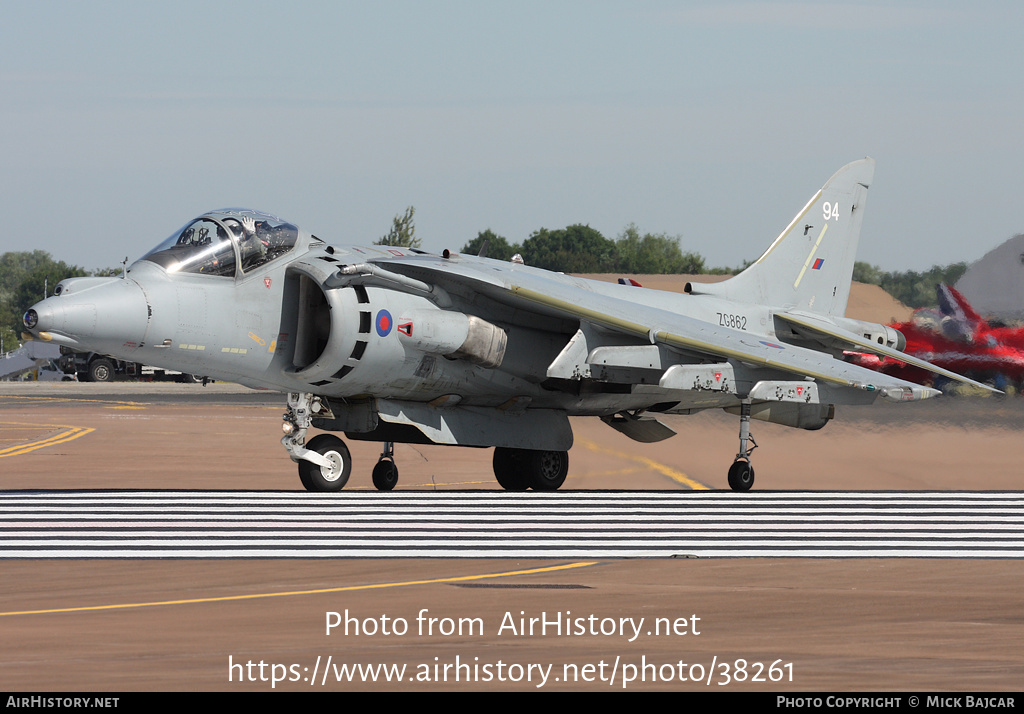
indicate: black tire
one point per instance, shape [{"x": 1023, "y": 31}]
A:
[
  {"x": 548, "y": 469},
  {"x": 510, "y": 468},
  {"x": 101, "y": 370},
  {"x": 741, "y": 476},
  {"x": 385, "y": 475},
  {"x": 189, "y": 378},
  {"x": 320, "y": 478}
]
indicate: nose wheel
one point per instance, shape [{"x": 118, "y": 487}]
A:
[{"x": 331, "y": 476}]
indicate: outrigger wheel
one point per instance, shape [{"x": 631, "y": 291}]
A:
[{"x": 741, "y": 475}]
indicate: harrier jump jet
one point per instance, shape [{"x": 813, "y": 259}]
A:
[{"x": 401, "y": 345}]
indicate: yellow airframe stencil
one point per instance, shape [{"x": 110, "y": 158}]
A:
[
  {"x": 69, "y": 433},
  {"x": 257, "y": 339},
  {"x": 348, "y": 588}
]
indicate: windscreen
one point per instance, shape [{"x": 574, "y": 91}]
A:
[
  {"x": 213, "y": 244},
  {"x": 203, "y": 246}
]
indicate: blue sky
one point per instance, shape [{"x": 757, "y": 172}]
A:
[{"x": 715, "y": 121}]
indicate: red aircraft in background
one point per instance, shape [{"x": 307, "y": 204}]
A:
[{"x": 957, "y": 338}]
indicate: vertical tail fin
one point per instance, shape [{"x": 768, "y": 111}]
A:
[{"x": 810, "y": 265}]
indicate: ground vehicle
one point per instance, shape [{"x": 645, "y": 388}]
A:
[{"x": 96, "y": 367}]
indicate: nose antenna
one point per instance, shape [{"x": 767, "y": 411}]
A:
[{"x": 124, "y": 267}]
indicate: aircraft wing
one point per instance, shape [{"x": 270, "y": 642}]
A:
[
  {"x": 859, "y": 343},
  {"x": 552, "y": 294}
]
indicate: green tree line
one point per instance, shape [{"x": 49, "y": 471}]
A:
[
  {"x": 582, "y": 249},
  {"x": 910, "y": 287}
]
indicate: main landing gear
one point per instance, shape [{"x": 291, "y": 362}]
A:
[
  {"x": 741, "y": 473},
  {"x": 520, "y": 469},
  {"x": 325, "y": 463}
]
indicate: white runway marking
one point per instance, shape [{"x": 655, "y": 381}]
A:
[{"x": 210, "y": 524}]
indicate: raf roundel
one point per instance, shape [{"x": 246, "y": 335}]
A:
[{"x": 384, "y": 323}]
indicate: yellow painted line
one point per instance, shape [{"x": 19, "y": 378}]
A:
[
  {"x": 616, "y": 472},
  {"x": 320, "y": 591},
  {"x": 677, "y": 476},
  {"x": 74, "y": 401},
  {"x": 810, "y": 257},
  {"x": 71, "y": 433}
]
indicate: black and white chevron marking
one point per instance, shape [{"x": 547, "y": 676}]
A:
[{"x": 494, "y": 524}]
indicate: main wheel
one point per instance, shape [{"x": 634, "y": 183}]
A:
[
  {"x": 385, "y": 475},
  {"x": 741, "y": 476},
  {"x": 101, "y": 370},
  {"x": 548, "y": 469},
  {"x": 326, "y": 478},
  {"x": 510, "y": 468}
]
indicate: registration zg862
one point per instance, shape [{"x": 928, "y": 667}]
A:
[{"x": 736, "y": 322}]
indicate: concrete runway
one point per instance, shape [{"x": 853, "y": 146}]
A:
[{"x": 809, "y": 624}]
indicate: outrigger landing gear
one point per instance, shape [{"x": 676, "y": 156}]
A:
[
  {"x": 520, "y": 469},
  {"x": 385, "y": 473},
  {"x": 741, "y": 473}
]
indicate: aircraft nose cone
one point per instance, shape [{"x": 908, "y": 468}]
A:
[
  {"x": 101, "y": 316},
  {"x": 41, "y": 318}
]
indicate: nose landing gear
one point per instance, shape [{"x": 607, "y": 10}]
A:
[{"x": 325, "y": 463}]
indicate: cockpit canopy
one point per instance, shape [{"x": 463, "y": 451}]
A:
[{"x": 219, "y": 242}]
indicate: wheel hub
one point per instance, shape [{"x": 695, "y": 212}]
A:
[{"x": 333, "y": 472}]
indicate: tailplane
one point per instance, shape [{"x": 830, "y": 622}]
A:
[{"x": 809, "y": 267}]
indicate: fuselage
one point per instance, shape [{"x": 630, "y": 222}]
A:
[{"x": 243, "y": 296}]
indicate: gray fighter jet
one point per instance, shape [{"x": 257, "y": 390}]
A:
[{"x": 402, "y": 345}]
